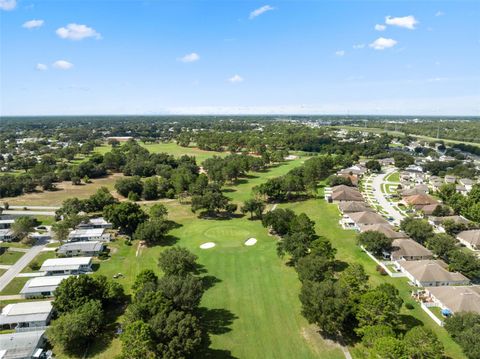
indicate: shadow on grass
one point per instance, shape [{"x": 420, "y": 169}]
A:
[
  {"x": 209, "y": 281},
  {"x": 409, "y": 321}
]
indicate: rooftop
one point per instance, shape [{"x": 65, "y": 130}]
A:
[
  {"x": 471, "y": 236},
  {"x": 72, "y": 263},
  {"x": 458, "y": 298},
  {"x": 367, "y": 218},
  {"x": 431, "y": 271}
]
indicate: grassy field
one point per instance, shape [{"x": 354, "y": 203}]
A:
[
  {"x": 10, "y": 257},
  {"x": 15, "y": 286},
  {"x": 253, "y": 300},
  {"x": 393, "y": 177},
  {"x": 171, "y": 148}
]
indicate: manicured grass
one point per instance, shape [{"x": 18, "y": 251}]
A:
[
  {"x": 39, "y": 259},
  {"x": 15, "y": 286},
  {"x": 254, "y": 298},
  {"x": 171, "y": 148},
  {"x": 10, "y": 257},
  {"x": 326, "y": 217},
  {"x": 393, "y": 177}
]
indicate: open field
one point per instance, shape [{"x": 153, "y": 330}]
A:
[
  {"x": 393, "y": 177},
  {"x": 64, "y": 190}
]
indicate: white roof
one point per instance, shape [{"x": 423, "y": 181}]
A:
[
  {"x": 27, "y": 308},
  {"x": 65, "y": 263},
  {"x": 7, "y": 221},
  {"x": 98, "y": 220},
  {"x": 90, "y": 232},
  {"x": 49, "y": 281}
]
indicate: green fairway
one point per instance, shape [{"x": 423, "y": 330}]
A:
[
  {"x": 171, "y": 148},
  {"x": 393, "y": 177}
]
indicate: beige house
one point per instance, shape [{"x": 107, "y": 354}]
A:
[
  {"x": 355, "y": 219},
  {"x": 470, "y": 239},
  {"x": 430, "y": 273},
  {"x": 386, "y": 229},
  {"x": 409, "y": 250},
  {"x": 352, "y": 206},
  {"x": 456, "y": 299}
]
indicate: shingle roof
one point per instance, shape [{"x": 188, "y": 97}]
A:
[
  {"x": 367, "y": 218},
  {"x": 406, "y": 247},
  {"x": 351, "y": 206},
  {"x": 420, "y": 199},
  {"x": 472, "y": 236},
  {"x": 386, "y": 229},
  {"x": 431, "y": 271},
  {"x": 458, "y": 298}
]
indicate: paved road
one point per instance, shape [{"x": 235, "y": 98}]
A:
[
  {"x": 39, "y": 208},
  {"x": 380, "y": 196},
  {"x": 28, "y": 213},
  {"x": 16, "y": 268}
]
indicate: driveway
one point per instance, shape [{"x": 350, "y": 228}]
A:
[
  {"x": 377, "y": 181},
  {"x": 16, "y": 268}
]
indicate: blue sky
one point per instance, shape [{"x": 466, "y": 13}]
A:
[{"x": 313, "y": 57}]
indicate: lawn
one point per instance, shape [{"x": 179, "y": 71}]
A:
[
  {"x": 171, "y": 148},
  {"x": 39, "y": 259},
  {"x": 15, "y": 286},
  {"x": 10, "y": 257},
  {"x": 393, "y": 177}
]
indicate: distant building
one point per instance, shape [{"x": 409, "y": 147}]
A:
[
  {"x": 437, "y": 222},
  {"x": 98, "y": 222},
  {"x": 350, "y": 207},
  {"x": 26, "y": 315},
  {"x": 89, "y": 248},
  {"x": 91, "y": 234},
  {"x": 6, "y": 223},
  {"x": 41, "y": 286},
  {"x": 7, "y": 235},
  {"x": 383, "y": 228},
  {"x": 63, "y": 266}
]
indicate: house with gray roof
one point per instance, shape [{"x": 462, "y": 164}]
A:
[
  {"x": 26, "y": 315},
  {"x": 22, "y": 345},
  {"x": 88, "y": 249},
  {"x": 41, "y": 286},
  {"x": 456, "y": 299}
]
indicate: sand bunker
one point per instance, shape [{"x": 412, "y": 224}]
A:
[
  {"x": 250, "y": 242},
  {"x": 207, "y": 245}
]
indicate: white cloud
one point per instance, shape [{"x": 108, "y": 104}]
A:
[
  {"x": 358, "y": 46},
  {"x": 77, "y": 32},
  {"x": 439, "y": 13},
  {"x": 379, "y": 27},
  {"x": 8, "y": 5},
  {"x": 260, "y": 11},
  {"x": 235, "y": 79},
  {"x": 62, "y": 65},
  {"x": 407, "y": 22},
  {"x": 32, "y": 24},
  {"x": 190, "y": 57},
  {"x": 41, "y": 67},
  {"x": 383, "y": 43},
  {"x": 340, "y": 53}
]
